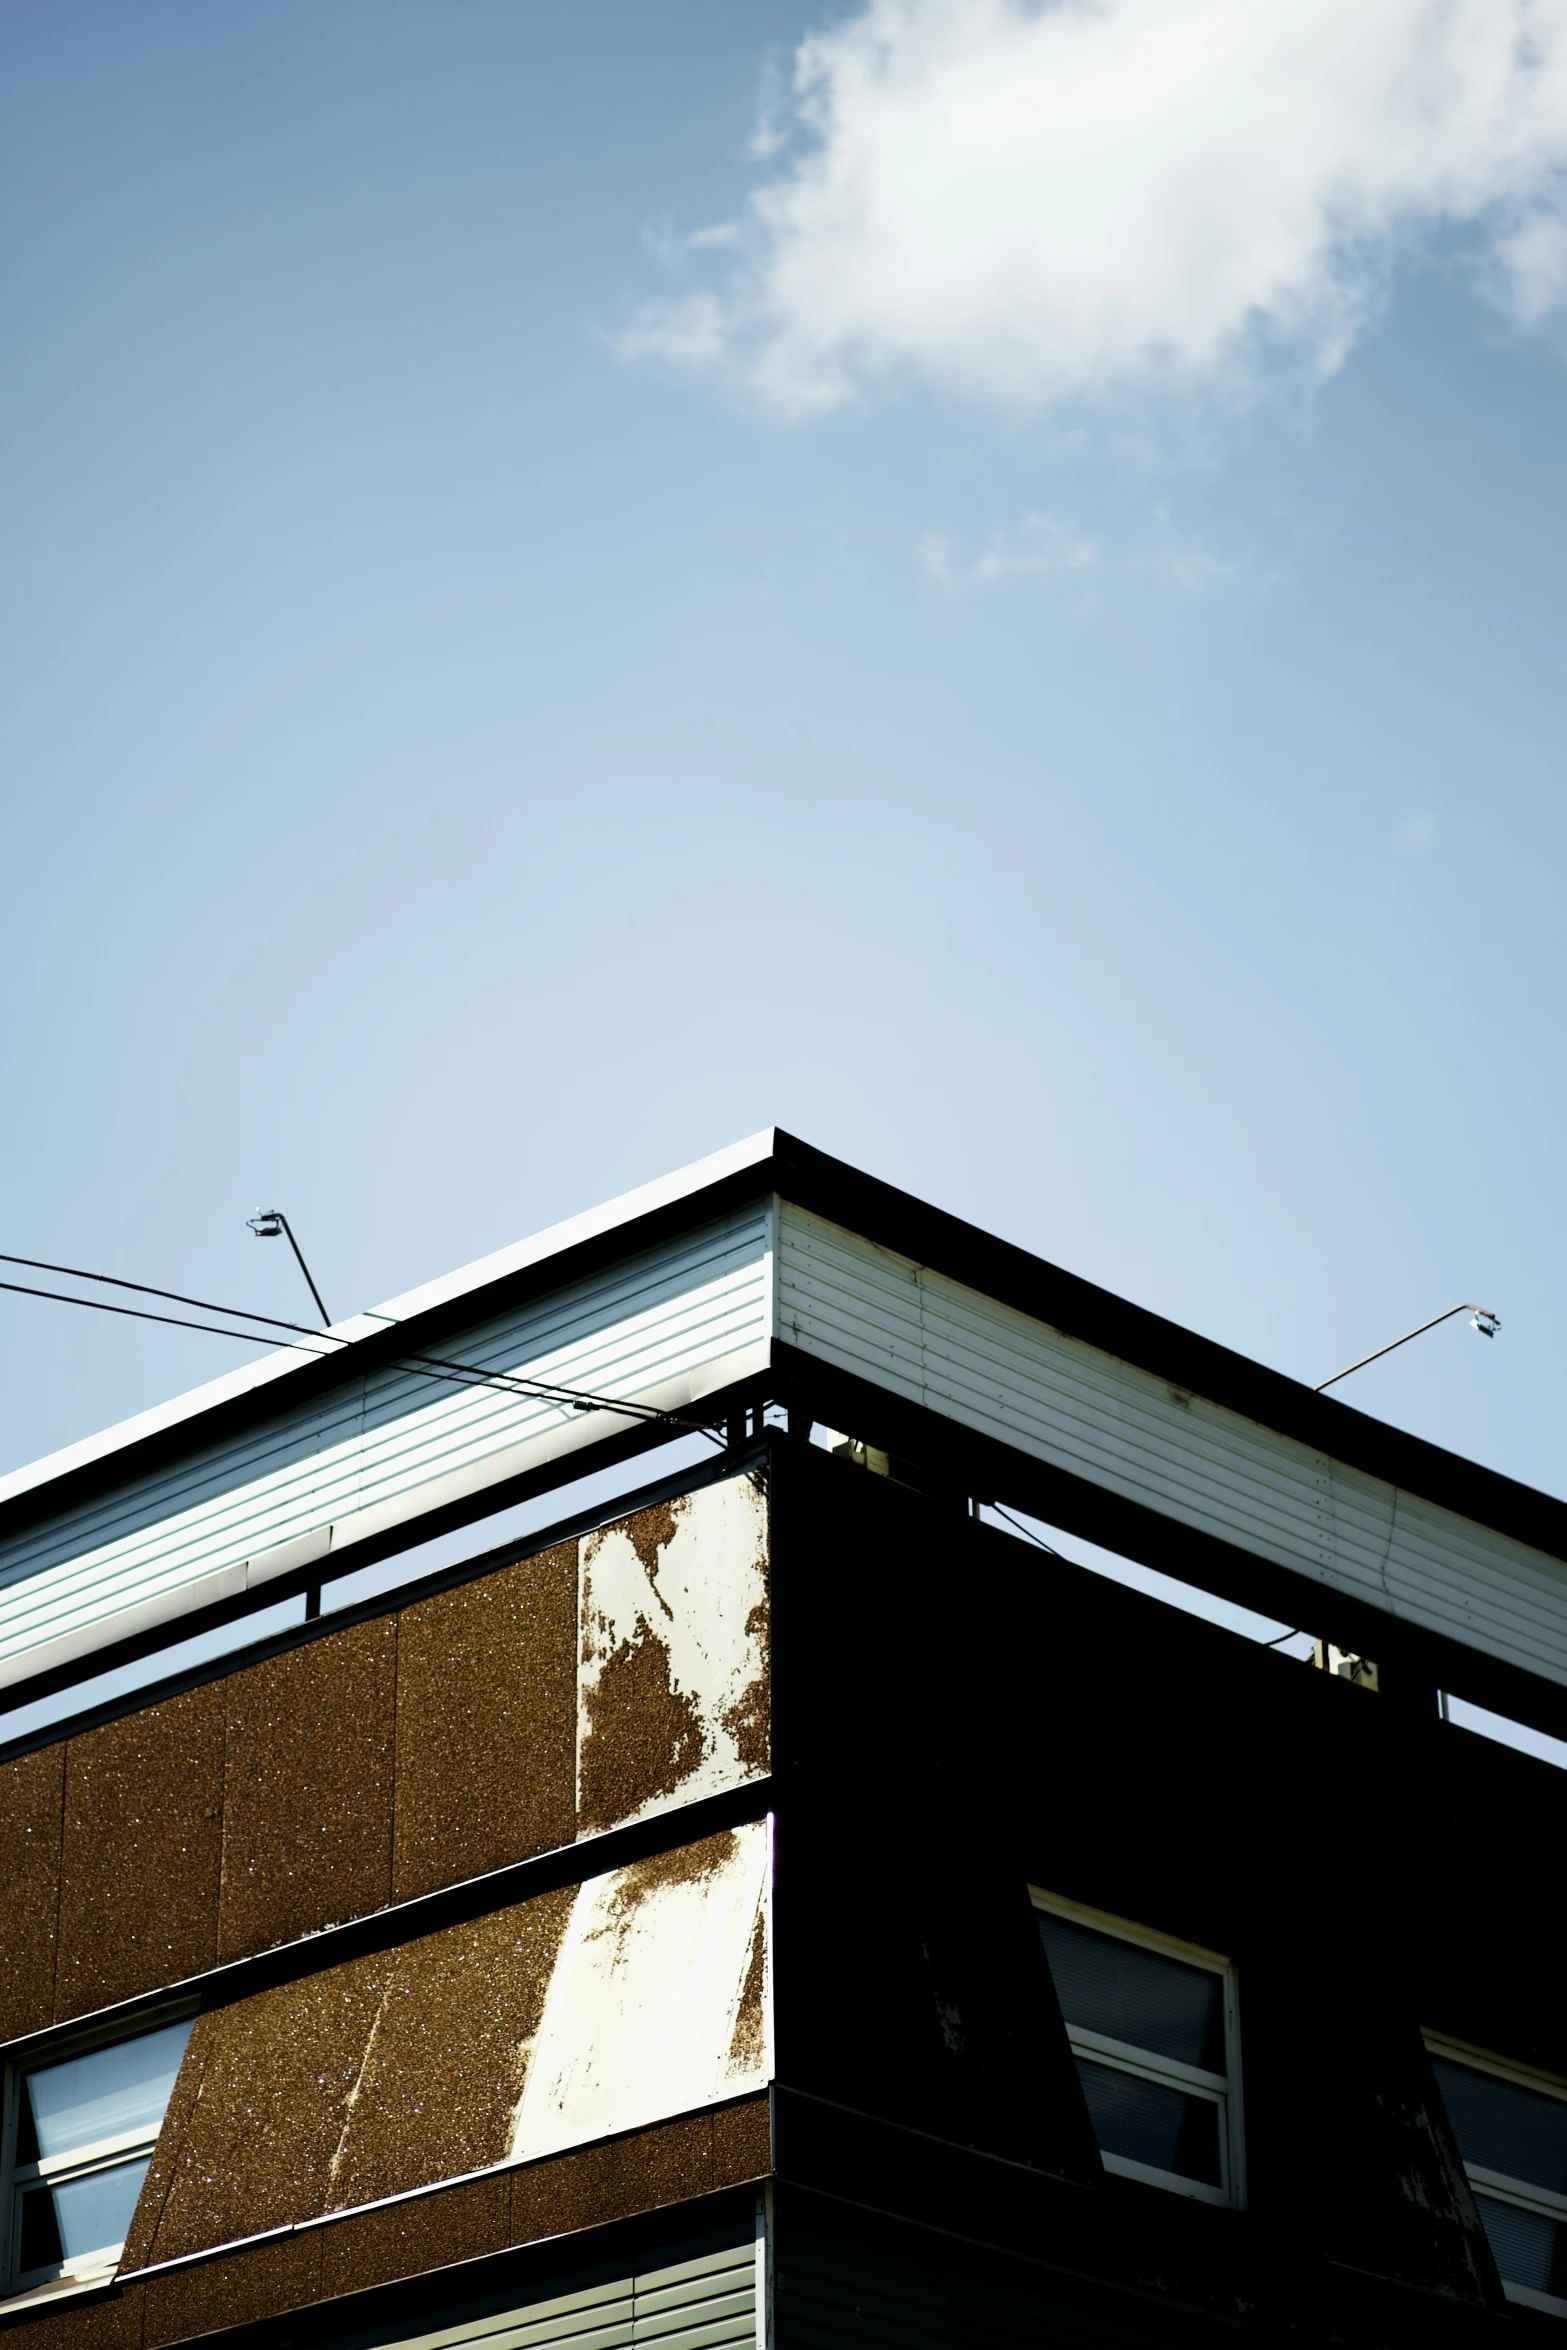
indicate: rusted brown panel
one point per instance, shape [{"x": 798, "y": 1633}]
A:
[
  {"x": 31, "y": 1802},
  {"x": 111, "y": 2321},
  {"x": 486, "y": 1702},
  {"x": 142, "y": 1852},
  {"x": 238, "y": 2290},
  {"x": 273, "y": 2078},
  {"x": 674, "y": 1663},
  {"x": 643, "y": 2171},
  {"x": 460, "y": 2223},
  {"x": 444, "y": 2070},
  {"x": 307, "y": 1829},
  {"x": 742, "y": 2142}
]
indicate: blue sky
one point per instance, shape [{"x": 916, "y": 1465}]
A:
[{"x": 468, "y": 750}]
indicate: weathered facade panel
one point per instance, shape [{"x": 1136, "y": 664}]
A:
[
  {"x": 579, "y": 2015},
  {"x": 32, "y": 1800},
  {"x": 448, "y": 2052},
  {"x": 405, "y": 2239},
  {"x": 142, "y": 1854},
  {"x": 667, "y": 2164},
  {"x": 307, "y": 1829},
  {"x": 386, "y": 1759},
  {"x": 259, "y": 2113},
  {"x": 486, "y": 1716},
  {"x": 264, "y": 2284},
  {"x": 112, "y": 2324},
  {"x": 660, "y": 1998},
  {"x": 673, "y": 1691}
]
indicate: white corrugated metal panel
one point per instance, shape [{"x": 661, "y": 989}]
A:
[
  {"x": 445, "y": 1291},
  {"x": 704, "y": 2304},
  {"x": 666, "y": 1326},
  {"x": 870, "y": 1311}
]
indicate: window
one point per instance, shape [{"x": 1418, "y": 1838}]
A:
[
  {"x": 1152, "y": 2026},
  {"x": 1511, "y": 2127},
  {"x": 81, "y": 2130}
]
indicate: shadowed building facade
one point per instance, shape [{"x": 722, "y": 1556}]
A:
[{"x": 773, "y": 1904}]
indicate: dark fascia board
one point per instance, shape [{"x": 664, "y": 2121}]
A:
[{"x": 776, "y": 1161}]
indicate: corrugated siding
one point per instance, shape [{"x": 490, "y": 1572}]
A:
[
  {"x": 1003, "y": 1374},
  {"x": 667, "y": 1313},
  {"x": 703, "y": 2304}
]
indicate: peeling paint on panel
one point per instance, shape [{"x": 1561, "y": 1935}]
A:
[
  {"x": 660, "y": 2000},
  {"x": 673, "y": 1685},
  {"x": 448, "y": 2053}
]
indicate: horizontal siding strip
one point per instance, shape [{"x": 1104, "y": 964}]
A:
[
  {"x": 693, "y": 2305},
  {"x": 717, "y": 2292}
]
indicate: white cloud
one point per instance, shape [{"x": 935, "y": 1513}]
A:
[
  {"x": 1039, "y": 544},
  {"x": 1025, "y": 203}
]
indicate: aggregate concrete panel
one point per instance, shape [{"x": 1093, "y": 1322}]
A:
[
  {"x": 457, "y": 2223},
  {"x": 446, "y": 2060},
  {"x": 643, "y": 2171},
  {"x": 368, "y": 2080},
  {"x": 32, "y": 1790},
  {"x": 239, "y": 2290},
  {"x": 742, "y": 2142},
  {"x": 111, "y": 2321},
  {"x": 486, "y": 1698},
  {"x": 142, "y": 1852},
  {"x": 259, "y": 2111},
  {"x": 162, "y": 2168},
  {"x": 674, "y": 1688},
  {"x": 307, "y": 1829}
]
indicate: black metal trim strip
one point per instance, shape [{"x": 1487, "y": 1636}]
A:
[{"x": 426, "y": 1913}]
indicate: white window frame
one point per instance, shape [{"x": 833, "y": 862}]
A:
[
  {"x": 88, "y": 2268},
  {"x": 1523, "y": 2194},
  {"x": 1220, "y": 2089}
]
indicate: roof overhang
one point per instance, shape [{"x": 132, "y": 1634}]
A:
[{"x": 765, "y": 1263}]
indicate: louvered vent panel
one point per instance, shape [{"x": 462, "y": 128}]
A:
[{"x": 704, "y": 2304}]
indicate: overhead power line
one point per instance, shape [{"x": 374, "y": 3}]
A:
[{"x": 322, "y": 1343}]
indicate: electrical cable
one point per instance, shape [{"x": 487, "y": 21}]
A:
[
  {"x": 1040, "y": 1543},
  {"x": 101, "y": 1305},
  {"x": 1029, "y": 1535},
  {"x": 437, "y": 1367},
  {"x": 145, "y": 1289}
]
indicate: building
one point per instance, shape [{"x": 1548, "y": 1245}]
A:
[{"x": 775, "y": 1905}]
